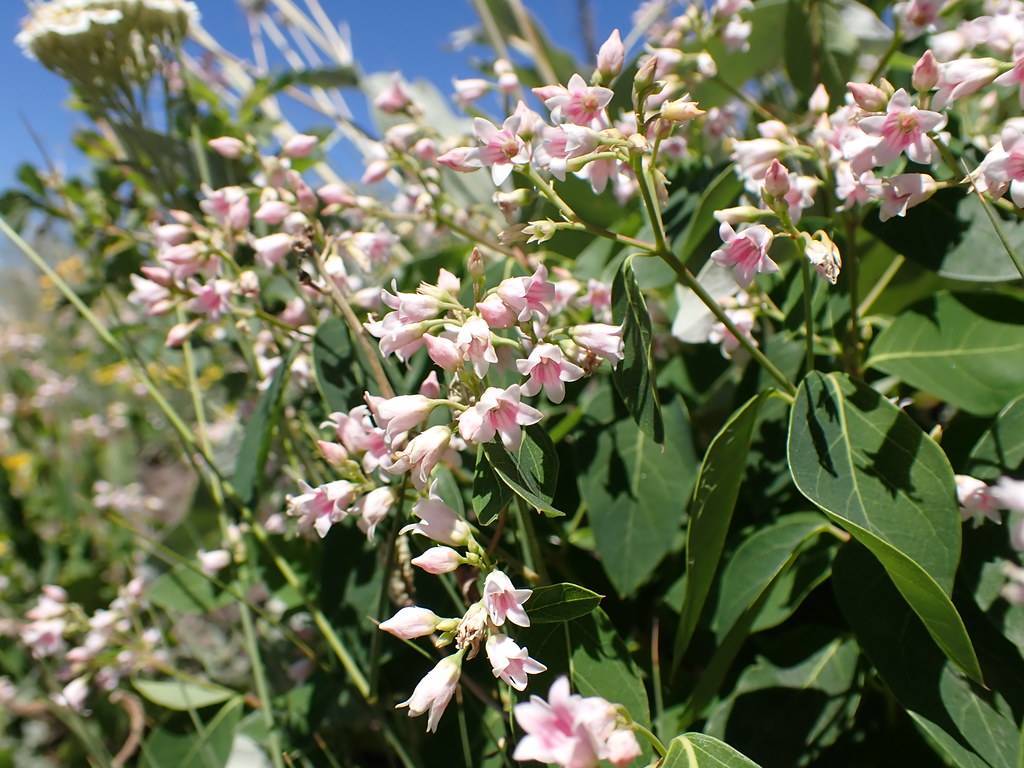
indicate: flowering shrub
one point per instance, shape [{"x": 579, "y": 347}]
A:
[{"x": 662, "y": 409}]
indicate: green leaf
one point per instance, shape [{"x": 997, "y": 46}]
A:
[
  {"x": 252, "y": 456},
  {"x": 636, "y": 492},
  {"x": 323, "y": 77},
  {"x": 871, "y": 468},
  {"x": 962, "y": 720},
  {"x": 634, "y": 375},
  {"x": 181, "y": 696},
  {"x": 561, "y": 602},
  {"x": 963, "y": 348},
  {"x": 696, "y": 750},
  {"x": 721, "y": 192},
  {"x": 532, "y": 474},
  {"x": 950, "y": 234},
  {"x": 757, "y": 561},
  {"x": 339, "y": 377},
  {"x": 1000, "y": 451},
  {"x": 714, "y": 498},
  {"x": 490, "y": 495},
  {"x": 182, "y": 590},
  {"x": 211, "y": 748}
]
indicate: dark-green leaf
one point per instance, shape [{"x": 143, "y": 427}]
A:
[
  {"x": 871, "y": 468},
  {"x": 561, "y": 602},
  {"x": 636, "y": 493},
  {"x": 1000, "y": 451},
  {"x": 252, "y": 456},
  {"x": 490, "y": 494},
  {"x": 634, "y": 375},
  {"x": 714, "y": 498},
  {"x": 964, "y": 348},
  {"x": 339, "y": 376},
  {"x": 532, "y": 474}
]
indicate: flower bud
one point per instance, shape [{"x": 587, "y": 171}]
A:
[
  {"x": 411, "y": 622},
  {"x": 926, "y": 72},
  {"x": 868, "y": 97},
  {"x": 819, "y": 100},
  {"x": 776, "y": 180},
  {"x": 610, "y": 56},
  {"x": 540, "y": 231},
  {"x": 227, "y": 146},
  {"x": 438, "y": 560},
  {"x": 645, "y": 76},
  {"x": 299, "y": 145},
  {"x": 680, "y": 110}
]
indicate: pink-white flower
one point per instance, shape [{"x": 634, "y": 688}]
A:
[
  {"x": 397, "y": 337},
  {"x": 44, "y": 638},
  {"x": 213, "y": 561},
  {"x": 374, "y": 507},
  {"x": 435, "y": 690},
  {"x": 211, "y": 299},
  {"x": 272, "y": 212},
  {"x": 719, "y": 334},
  {"x": 227, "y": 146},
  {"x": 745, "y": 252},
  {"x": 270, "y": 250},
  {"x": 578, "y": 102},
  {"x": 321, "y": 507},
  {"x": 903, "y": 128},
  {"x": 399, "y": 414},
  {"x": 229, "y": 206},
  {"x": 470, "y": 89},
  {"x": 753, "y": 157},
  {"x": 962, "y": 77},
  {"x": 610, "y": 56},
  {"x": 411, "y": 622},
  {"x": 548, "y": 369},
  {"x": 411, "y": 307},
  {"x": 459, "y": 159},
  {"x": 917, "y": 16},
  {"x": 600, "y": 339},
  {"x": 1015, "y": 76},
  {"x": 438, "y": 560},
  {"x": 394, "y": 98},
  {"x": 528, "y": 295},
  {"x": 498, "y": 411},
  {"x": 511, "y": 663},
  {"x": 154, "y": 297},
  {"x": 443, "y": 352},
  {"x": 495, "y": 312},
  {"x": 503, "y": 601},
  {"x": 438, "y": 522},
  {"x": 422, "y": 454},
  {"x": 903, "y": 192},
  {"x": 856, "y": 189},
  {"x": 300, "y": 145},
  {"x": 74, "y": 694},
  {"x": 473, "y": 341},
  {"x": 621, "y": 747},
  {"x": 736, "y": 34},
  {"x": 501, "y": 149},
  {"x": 1009, "y": 494},
  {"x": 976, "y": 503}
]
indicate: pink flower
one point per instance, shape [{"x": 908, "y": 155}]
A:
[
  {"x": 566, "y": 730},
  {"x": 721, "y": 335},
  {"x": 336, "y": 194},
  {"x": 903, "y": 192},
  {"x": 211, "y": 299},
  {"x": 1015, "y": 76},
  {"x": 459, "y": 159},
  {"x": 399, "y": 414},
  {"x": 975, "y": 500},
  {"x": 500, "y": 148},
  {"x": 374, "y": 507},
  {"x": 422, "y": 454},
  {"x": 394, "y": 98},
  {"x": 963, "y": 77},
  {"x": 438, "y": 522},
  {"x": 1013, "y": 590},
  {"x": 44, "y": 638},
  {"x": 854, "y": 189},
  {"x": 510, "y": 662},
  {"x": 227, "y": 146},
  {"x": 474, "y": 344},
  {"x": 435, "y": 690},
  {"x": 495, "y": 312},
  {"x": 610, "y": 56},
  {"x": 272, "y": 212},
  {"x": 270, "y": 250},
  {"x": 73, "y": 695},
  {"x": 443, "y": 352},
  {"x": 438, "y": 560},
  {"x": 578, "y": 103},
  {"x": 153, "y": 296},
  {"x": 402, "y": 339},
  {"x": 1009, "y": 494},
  {"x": 547, "y": 367},
  {"x": 599, "y": 339},
  {"x": 213, "y": 561},
  {"x": 745, "y": 252},
  {"x": 470, "y": 89},
  {"x": 499, "y": 411},
  {"x": 503, "y": 601},
  {"x": 622, "y": 747},
  {"x": 528, "y": 295},
  {"x": 903, "y": 128},
  {"x": 411, "y": 622},
  {"x": 300, "y": 145},
  {"x": 753, "y": 157},
  {"x": 229, "y": 206},
  {"x": 320, "y": 508}
]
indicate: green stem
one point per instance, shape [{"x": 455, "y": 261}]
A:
[
  {"x": 853, "y": 277},
  {"x": 805, "y": 274},
  {"x": 653, "y": 210},
  {"x": 651, "y": 738}
]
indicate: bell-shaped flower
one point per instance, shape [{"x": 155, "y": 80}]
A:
[
  {"x": 503, "y": 601},
  {"x": 498, "y": 412}
]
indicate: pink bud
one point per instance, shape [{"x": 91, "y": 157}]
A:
[
  {"x": 213, "y": 561},
  {"x": 926, "y": 72},
  {"x": 438, "y": 560},
  {"x": 611, "y": 56},
  {"x": 179, "y": 334},
  {"x": 458, "y": 159},
  {"x": 272, "y": 212},
  {"x": 431, "y": 387},
  {"x": 776, "y": 179},
  {"x": 819, "y": 100},
  {"x": 868, "y": 97},
  {"x": 227, "y": 146},
  {"x": 336, "y": 194},
  {"x": 300, "y": 145},
  {"x": 334, "y": 453},
  {"x": 375, "y": 171},
  {"x": 270, "y": 250},
  {"x": 411, "y": 622},
  {"x": 443, "y": 352}
]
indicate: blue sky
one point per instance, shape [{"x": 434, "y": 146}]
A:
[{"x": 406, "y": 35}]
